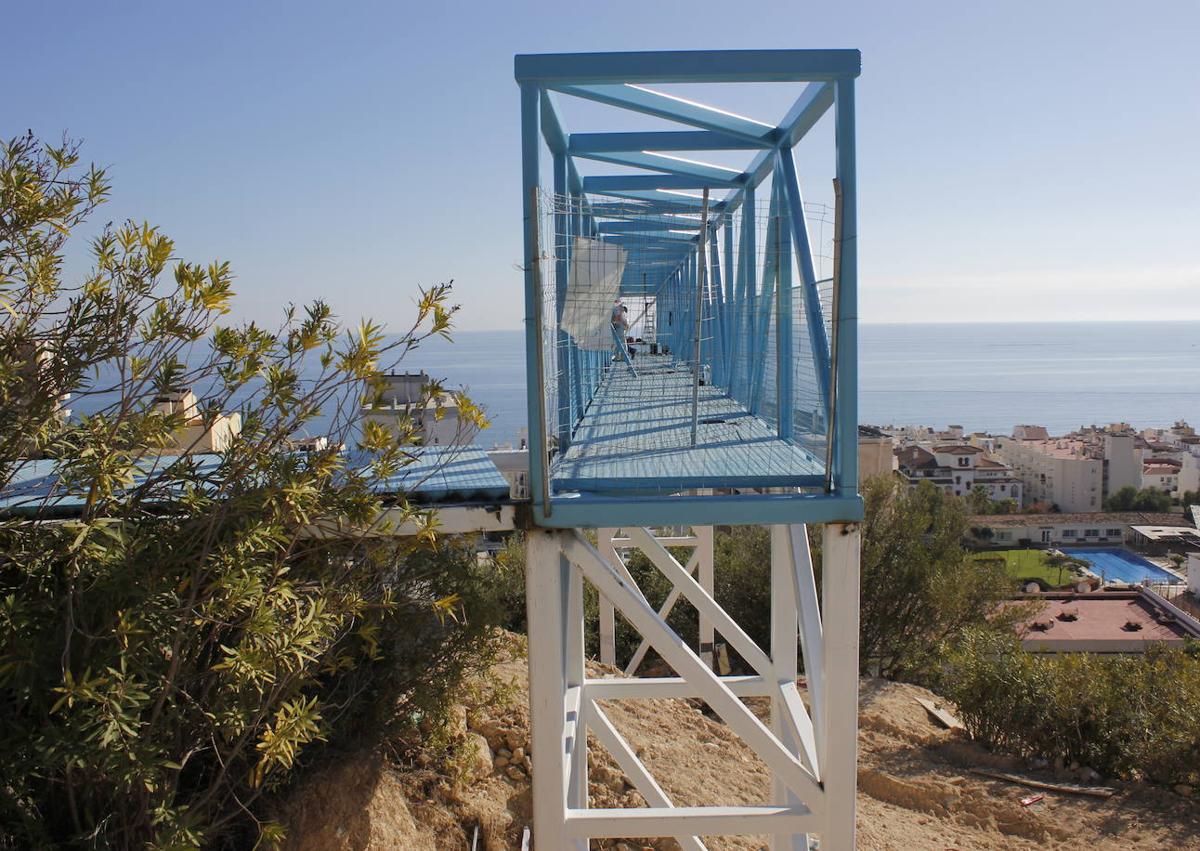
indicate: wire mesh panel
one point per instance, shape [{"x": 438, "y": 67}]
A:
[{"x": 660, "y": 370}]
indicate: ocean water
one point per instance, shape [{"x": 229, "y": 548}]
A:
[{"x": 985, "y": 377}]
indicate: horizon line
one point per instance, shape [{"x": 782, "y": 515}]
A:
[{"x": 862, "y": 322}]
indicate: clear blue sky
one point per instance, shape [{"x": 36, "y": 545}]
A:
[{"x": 1018, "y": 160}]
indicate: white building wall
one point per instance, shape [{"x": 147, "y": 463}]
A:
[
  {"x": 1074, "y": 484},
  {"x": 1124, "y": 462},
  {"x": 1189, "y": 475}
]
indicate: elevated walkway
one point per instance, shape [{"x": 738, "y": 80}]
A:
[{"x": 635, "y": 435}]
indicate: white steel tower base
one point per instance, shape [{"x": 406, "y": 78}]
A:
[{"x": 811, "y": 756}]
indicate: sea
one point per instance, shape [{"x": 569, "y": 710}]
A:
[{"x": 984, "y": 377}]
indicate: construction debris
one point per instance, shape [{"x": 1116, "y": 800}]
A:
[
  {"x": 943, "y": 717},
  {"x": 1068, "y": 788}
]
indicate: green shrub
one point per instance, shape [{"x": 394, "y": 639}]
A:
[
  {"x": 919, "y": 588},
  {"x": 1129, "y": 716},
  {"x": 175, "y": 645}
]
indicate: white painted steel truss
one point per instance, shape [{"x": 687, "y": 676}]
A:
[{"x": 811, "y": 756}]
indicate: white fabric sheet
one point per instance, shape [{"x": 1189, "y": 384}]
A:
[{"x": 595, "y": 280}]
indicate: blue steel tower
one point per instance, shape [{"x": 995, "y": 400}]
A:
[{"x": 691, "y": 352}]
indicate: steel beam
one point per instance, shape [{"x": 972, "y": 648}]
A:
[
  {"x": 670, "y": 165},
  {"x": 663, "y": 140},
  {"x": 688, "y": 66},
  {"x": 660, "y": 105}
]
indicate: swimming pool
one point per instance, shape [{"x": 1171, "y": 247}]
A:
[{"x": 1117, "y": 565}]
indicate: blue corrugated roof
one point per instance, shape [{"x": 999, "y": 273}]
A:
[
  {"x": 438, "y": 474},
  {"x": 450, "y": 474}
]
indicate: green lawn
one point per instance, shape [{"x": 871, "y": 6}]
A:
[{"x": 1029, "y": 564}]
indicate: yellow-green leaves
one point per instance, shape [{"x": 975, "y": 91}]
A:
[
  {"x": 296, "y": 723},
  {"x": 173, "y": 619}
]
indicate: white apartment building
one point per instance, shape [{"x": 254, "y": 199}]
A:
[
  {"x": 1122, "y": 461},
  {"x": 1161, "y": 475},
  {"x": 436, "y": 419},
  {"x": 1030, "y": 432},
  {"x": 875, "y": 453},
  {"x": 1056, "y": 471},
  {"x": 513, "y": 464},
  {"x": 196, "y": 434},
  {"x": 1189, "y": 475},
  {"x": 957, "y": 469}
]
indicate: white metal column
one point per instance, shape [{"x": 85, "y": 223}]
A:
[
  {"x": 839, "y": 595},
  {"x": 812, "y": 758}
]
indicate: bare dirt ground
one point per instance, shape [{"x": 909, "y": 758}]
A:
[{"x": 916, "y": 790}]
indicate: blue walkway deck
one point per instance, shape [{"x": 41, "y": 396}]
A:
[{"x": 636, "y": 435}]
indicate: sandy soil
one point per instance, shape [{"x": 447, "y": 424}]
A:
[{"x": 916, "y": 790}]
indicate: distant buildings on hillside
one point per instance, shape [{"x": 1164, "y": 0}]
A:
[
  {"x": 959, "y": 468},
  {"x": 1074, "y": 472}
]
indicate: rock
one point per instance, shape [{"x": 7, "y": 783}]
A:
[
  {"x": 491, "y": 730},
  {"x": 514, "y": 739},
  {"x": 1183, "y": 789},
  {"x": 458, "y": 719},
  {"x": 500, "y": 761},
  {"x": 515, "y": 773},
  {"x": 528, "y": 763},
  {"x": 505, "y": 752},
  {"x": 479, "y": 755},
  {"x": 518, "y": 754}
]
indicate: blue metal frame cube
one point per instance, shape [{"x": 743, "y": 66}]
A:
[{"x": 739, "y": 403}]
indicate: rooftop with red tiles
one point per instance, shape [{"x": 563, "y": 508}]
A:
[{"x": 1104, "y": 622}]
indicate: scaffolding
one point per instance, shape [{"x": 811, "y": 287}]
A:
[{"x": 691, "y": 361}]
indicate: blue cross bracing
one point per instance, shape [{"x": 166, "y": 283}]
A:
[{"x": 736, "y": 401}]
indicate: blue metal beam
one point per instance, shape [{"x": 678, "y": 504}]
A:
[
  {"x": 626, "y": 182},
  {"x": 764, "y": 301},
  {"x": 556, "y": 139},
  {"x": 646, "y": 226},
  {"x": 784, "y": 355},
  {"x": 669, "y": 165},
  {"x": 717, "y": 294},
  {"x": 813, "y": 310},
  {"x": 813, "y": 102},
  {"x": 562, "y": 340},
  {"x": 662, "y": 140},
  {"x": 846, "y": 440},
  {"x": 638, "y": 210},
  {"x": 688, "y": 66},
  {"x": 676, "y": 201},
  {"x": 530, "y": 145},
  {"x": 661, "y": 105}
]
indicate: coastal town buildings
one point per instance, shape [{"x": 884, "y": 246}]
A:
[
  {"x": 513, "y": 463},
  {"x": 1122, "y": 460},
  {"x": 1161, "y": 475},
  {"x": 198, "y": 433},
  {"x": 875, "y": 457},
  {"x": 1075, "y": 472},
  {"x": 1060, "y": 472},
  {"x": 959, "y": 468},
  {"x": 405, "y": 400},
  {"x": 1096, "y": 527}
]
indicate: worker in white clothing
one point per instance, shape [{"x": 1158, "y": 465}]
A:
[{"x": 620, "y": 324}]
